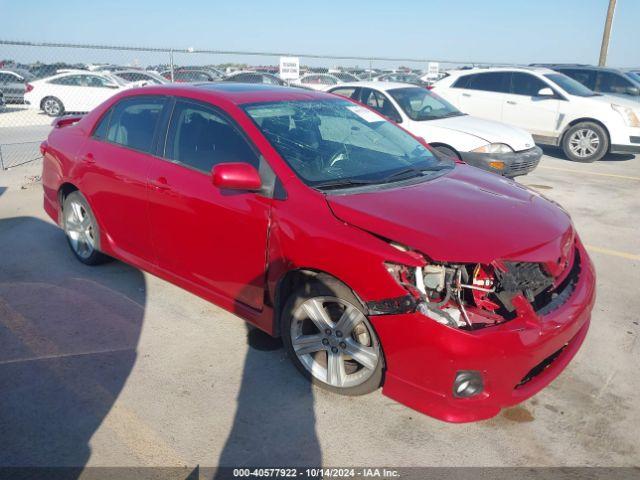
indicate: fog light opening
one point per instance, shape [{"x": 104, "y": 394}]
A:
[{"x": 468, "y": 383}]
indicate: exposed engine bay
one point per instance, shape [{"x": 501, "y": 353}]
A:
[{"x": 470, "y": 296}]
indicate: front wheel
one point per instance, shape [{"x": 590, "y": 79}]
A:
[
  {"x": 330, "y": 340},
  {"x": 585, "y": 142}
]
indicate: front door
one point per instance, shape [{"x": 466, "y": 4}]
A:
[{"x": 215, "y": 239}]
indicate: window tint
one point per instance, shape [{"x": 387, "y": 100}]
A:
[
  {"x": 348, "y": 92},
  {"x": 609, "y": 82},
  {"x": 585, "y": 77},
  {"x": 95, "y": 81},
  {"x": 201, "y": 138},
  {"x": 74, "y": 80},
  {"x": 133, "y": 122},
  {"x": 379, "y": 102},
  {"x": 490, "y": 82},
  {"x": 462, "y": 82},
  {"x": 100, "y": 132},
  {"x": 8, "y": 78},
  {"x": 526, "y": 84}
]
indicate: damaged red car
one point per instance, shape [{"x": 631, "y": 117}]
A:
[{"x": 378, "y": 261}]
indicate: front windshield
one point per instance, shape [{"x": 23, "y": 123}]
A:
[
  {"x": 336, "y": 143},
  {"x": 569, "y": 85},
  {"x": 421, "y": 104},
  {"x": 634, "y": 76}
]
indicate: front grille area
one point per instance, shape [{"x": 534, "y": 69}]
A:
[
  {"x": 548, "y": 301},
  {"x": 541, "y": 367},
  {"x": 525, "y": 164}
]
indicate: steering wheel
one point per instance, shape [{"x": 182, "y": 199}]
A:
[{"x": 426, "y": 109}]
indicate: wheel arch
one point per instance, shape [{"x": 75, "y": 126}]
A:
[
  {"x": 63, "y": 192},
  {"x": 292, "y": 279},
  {"x": 586, "y": 119},
  {"x": 446, "y": 145}
]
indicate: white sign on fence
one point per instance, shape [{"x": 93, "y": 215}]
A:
[
  {"x": 289, "y": 68},
  {"x": 433, "y": 69}
]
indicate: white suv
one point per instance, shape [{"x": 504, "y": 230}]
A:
[{"x": 555, "y": 109}]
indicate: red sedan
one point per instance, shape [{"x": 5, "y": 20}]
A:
[{"x": 379, "y": 262}]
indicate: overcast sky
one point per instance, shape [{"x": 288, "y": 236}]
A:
[{"x": 509, "y": 31}]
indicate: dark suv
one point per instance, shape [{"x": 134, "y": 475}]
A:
[{"x": 610, "y": 81}]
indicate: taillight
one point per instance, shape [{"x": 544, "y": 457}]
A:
[
  {"x": 429, "y": 87},
  {"x": 29, "y": 87}
]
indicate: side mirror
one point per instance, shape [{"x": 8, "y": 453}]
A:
[
  {"x": 236, "y": 176},
  {"x": 546, "y": 92}
]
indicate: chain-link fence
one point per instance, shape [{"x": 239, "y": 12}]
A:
[{"x": 41, "y": 81}]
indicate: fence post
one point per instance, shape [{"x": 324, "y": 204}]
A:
[
  {"x": 171, "y": 63},
  {"x": 1, "y": 160}
]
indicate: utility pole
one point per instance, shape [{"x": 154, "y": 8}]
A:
[{"x": 606, "y": 34}]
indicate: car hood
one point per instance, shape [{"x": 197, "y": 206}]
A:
[
  {"x": 465, "y": 216},
  {"x": 623, "y": 100},
  {"x": 488, "y": 130}
]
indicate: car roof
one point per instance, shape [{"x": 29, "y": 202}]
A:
[
  {"x": 538, "y": 70},
  {"x": 377, "y": 85},
  {"x": 237, "y": 93},
  {"x": 577, "y": 66}
]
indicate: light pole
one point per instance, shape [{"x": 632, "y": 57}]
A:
[{"x": 606, "y": 34}]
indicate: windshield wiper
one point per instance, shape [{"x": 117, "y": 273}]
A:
[
  {"x": 402, "y": 175},
  {"x": 342, "y": 183}
]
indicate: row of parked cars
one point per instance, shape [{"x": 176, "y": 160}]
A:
[{"x": 488, "y": 117}]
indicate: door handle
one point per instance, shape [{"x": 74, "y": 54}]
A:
[
  {"x": 161, "y": 183},
  {"x": 466, "y": 95},
  {"x": 511, "y": 102},
  {"x": 88, "y": 158}
]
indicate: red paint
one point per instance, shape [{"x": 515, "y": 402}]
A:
[
  {"x": 236, "y": 176},
  {"x": 214, "y": 236}
]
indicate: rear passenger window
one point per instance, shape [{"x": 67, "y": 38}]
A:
[
  {"x": 609, "y": 82},
  {"x": 133, "y": 122},
  {"x": 526, "y": 84},
  {"x": 585, "y": 77},
  {"x": 200, "y": 138},
  {"x": 490, "y": 82},
  {"x": 462, "y": 82},
  {"x": 100, "y": 132}
]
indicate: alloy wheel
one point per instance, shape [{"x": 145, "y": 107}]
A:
[
  {"x": 80, "y": 230},
  {"x": 51, "y": 107},
  {"x": 584, "y": 143},
  {"x": 334, "y": 341}
]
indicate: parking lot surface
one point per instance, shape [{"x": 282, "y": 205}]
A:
[{"x": 110, "y": 366}]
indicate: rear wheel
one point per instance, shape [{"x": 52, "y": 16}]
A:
[
  {"x": 81, "y": 229},
  {"x": 585, "y": 142},
  {"x": 52, "y": 106},
  {"x": 330, "y": 340}
]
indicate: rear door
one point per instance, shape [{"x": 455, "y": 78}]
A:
[
  {"x": 116, "y": 158},
  {"x": 483, "y": 94},
  {"x": 524, "y": 108},
  {"x": 213, "y": 238}
]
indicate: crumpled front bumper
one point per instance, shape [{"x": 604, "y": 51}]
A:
[
  {"x": 514, "y": 163},
  {"x": 516, "y": 358}
]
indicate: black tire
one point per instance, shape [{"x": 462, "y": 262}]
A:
[
  {"x": 328, "y": 287},
  {"x": 52, "y": 106},
  {"x": 571, "y": 142},
  {"x": 91, "y": 256},
  {"x": 449, "y": 152}
]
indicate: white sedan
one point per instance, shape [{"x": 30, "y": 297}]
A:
[
  {"x": 72, "y": 91},
  {"x": 486, "y": 144},
  {"x": 323, "y": 81}
]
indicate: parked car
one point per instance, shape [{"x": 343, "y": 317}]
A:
[
  {"x": 78, "y": 91},
  {"x": 188, "y": 75},
  {"x": 254, "y": 77},
  {"x": 554, "y": 108},
  {"x": 14, "y": 84},
  {"x": 411, "y": 78},
  {"x": 140, "y": 76},
  {"x": 319, "y": 81},
  {"x": 486, "y": 144},
  {"x": 321, "y": 222},
  {"x": 611, "y": 81}
]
